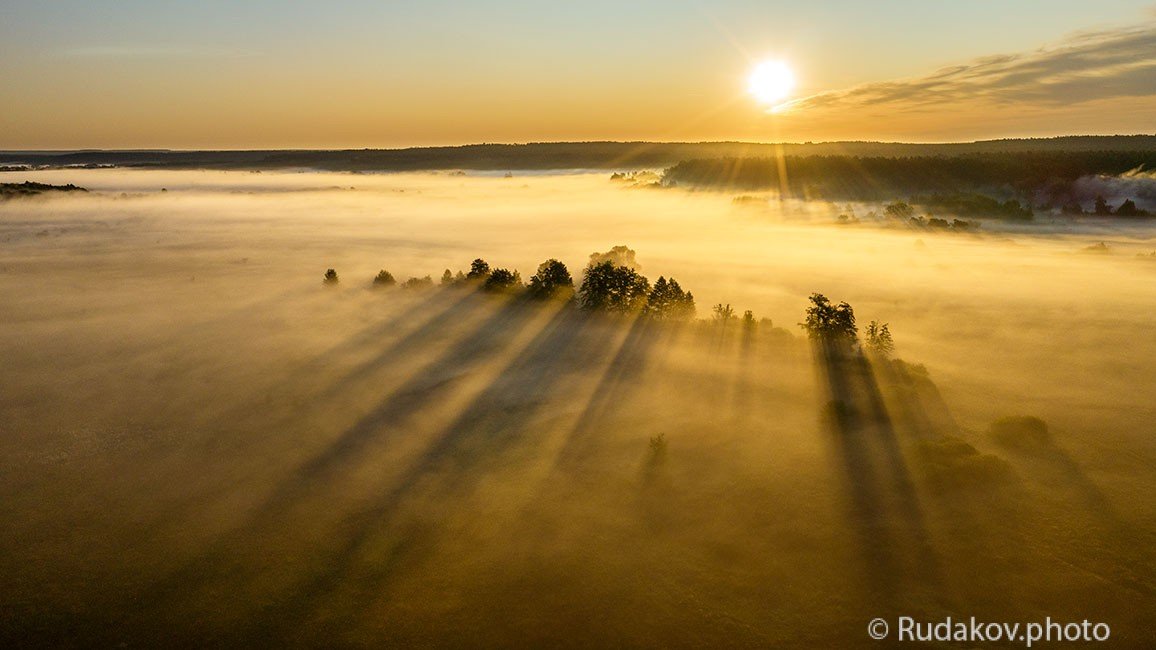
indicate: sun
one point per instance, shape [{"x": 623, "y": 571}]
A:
[{"x": 771, "y": 82}]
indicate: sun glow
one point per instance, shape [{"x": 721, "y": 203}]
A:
[{"x": 771, "y": 82}]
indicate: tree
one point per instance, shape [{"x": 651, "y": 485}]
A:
[
  {"x": 667, "y": 301},
  {"x": 879, "y": 339},
  {"x": 551, "y": 279},
  {"x": 619, "y": 256},
  {"x": 330, "y": 277},
  {"x": 1102, "y": 208},
  {"x": 500, "y": 280},
  {"x": 723, "y": 313},
  {"x": 749, "y": 322},
  {"x": 899, "y": 210},
  {"x": 418, "y": 283},
  {"x": 479, "y": 269},
  {"x": 447, "y": 277},
  {"x": 610, "y": 288},
  {"x": 384, "y": 279},
  {"x": 829, "y": 322},
  {"x": 1128, "y": 209}
]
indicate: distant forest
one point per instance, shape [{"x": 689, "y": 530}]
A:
[
  {"x": 1044, "y": 174},
  {"x": 578, "y": 155}
]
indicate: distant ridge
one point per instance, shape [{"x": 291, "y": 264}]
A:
[{"x": 550, "y": 155}]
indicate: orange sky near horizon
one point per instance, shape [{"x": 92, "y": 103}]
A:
[{"x": 356, "y": 74}]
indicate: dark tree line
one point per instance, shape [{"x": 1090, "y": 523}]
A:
[
  {"x": 611, "y": 285},
  {"x": 1048, "y": 173}
]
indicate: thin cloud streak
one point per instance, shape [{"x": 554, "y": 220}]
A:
[
  {"x": 152, "y": 51},
  {"x": 1084, "y": 67}
]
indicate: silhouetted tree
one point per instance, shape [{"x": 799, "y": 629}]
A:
[
  {"x": 606, "y": 287},
  {"x": 447, "y": 277},
  {"x": 1128, "y": 209},
  {"x": 749, "y": 322},
  {"x": 667, "y": 301},
  {"x": 830, "y": 322},
  {"x": 723, "y": 313},
  {"x": 1102, "y": 208},
  {"x": 899, "y": 210},
  {"x": 330, "y": 277},
  {"x": 384, "y": 279},
  {"x": 552, "y": 278},
  {"x": 479, "y": 269},
  {"x": 500, "y": 280},
  {"x": 879, "y": 339}
]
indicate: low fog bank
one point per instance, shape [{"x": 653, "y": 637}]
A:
[{"x": 199, "y": 440}]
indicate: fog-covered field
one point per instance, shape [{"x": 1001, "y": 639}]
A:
[{"x": 200, "y": 443}]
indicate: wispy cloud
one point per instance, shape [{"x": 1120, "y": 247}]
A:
[
  {"x": 153, "y": 52},
  {"x": 1084, "y": 67}
]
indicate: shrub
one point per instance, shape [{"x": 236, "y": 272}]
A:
[
  {"x": 418, "y": 283},
  {"x": 330, "y": 277},
  {"x": 1023, "y": 432},
  {"x": 658, "y": 446}
]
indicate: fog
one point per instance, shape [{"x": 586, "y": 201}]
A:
[{"x": 199, "y": 441}]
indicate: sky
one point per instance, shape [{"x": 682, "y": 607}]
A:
[{"x": 243, "y": 74}]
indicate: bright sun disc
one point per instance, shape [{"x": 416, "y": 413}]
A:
[{"x": 771, "y": 82}]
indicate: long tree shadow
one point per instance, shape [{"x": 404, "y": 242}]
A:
[
  {"x": 490, "y": 427},
  {"x": 455, "y": 305},
  {"x": 618, "y": 382},
  {"x": 434, "y": 382},
  {"x": 885, "y": 507}
]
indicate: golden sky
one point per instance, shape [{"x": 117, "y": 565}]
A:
[{"x": 356, "y": 73}]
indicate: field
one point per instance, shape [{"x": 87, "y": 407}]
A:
[{"x": 203, "y": 444}]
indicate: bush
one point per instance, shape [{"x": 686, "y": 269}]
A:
[
  {"x": 1023, "y": 432},
  {"x": 418, "y": 283},
  {"x": 658, "y": 446},
  {"x": 330, "y": 277}
]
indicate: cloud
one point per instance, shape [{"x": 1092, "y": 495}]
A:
[
  {"x": 152, "y": 52},
  {"x": 1086, "y": 66}
]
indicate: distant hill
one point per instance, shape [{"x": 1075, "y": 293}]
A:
[{"x": 548, "y": 155}]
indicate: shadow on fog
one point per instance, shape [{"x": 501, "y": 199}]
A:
[
  {"x": 885, "y": 507},
  {"x": 496, "y": 423},
  {"x": 501, "y": 381}
]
